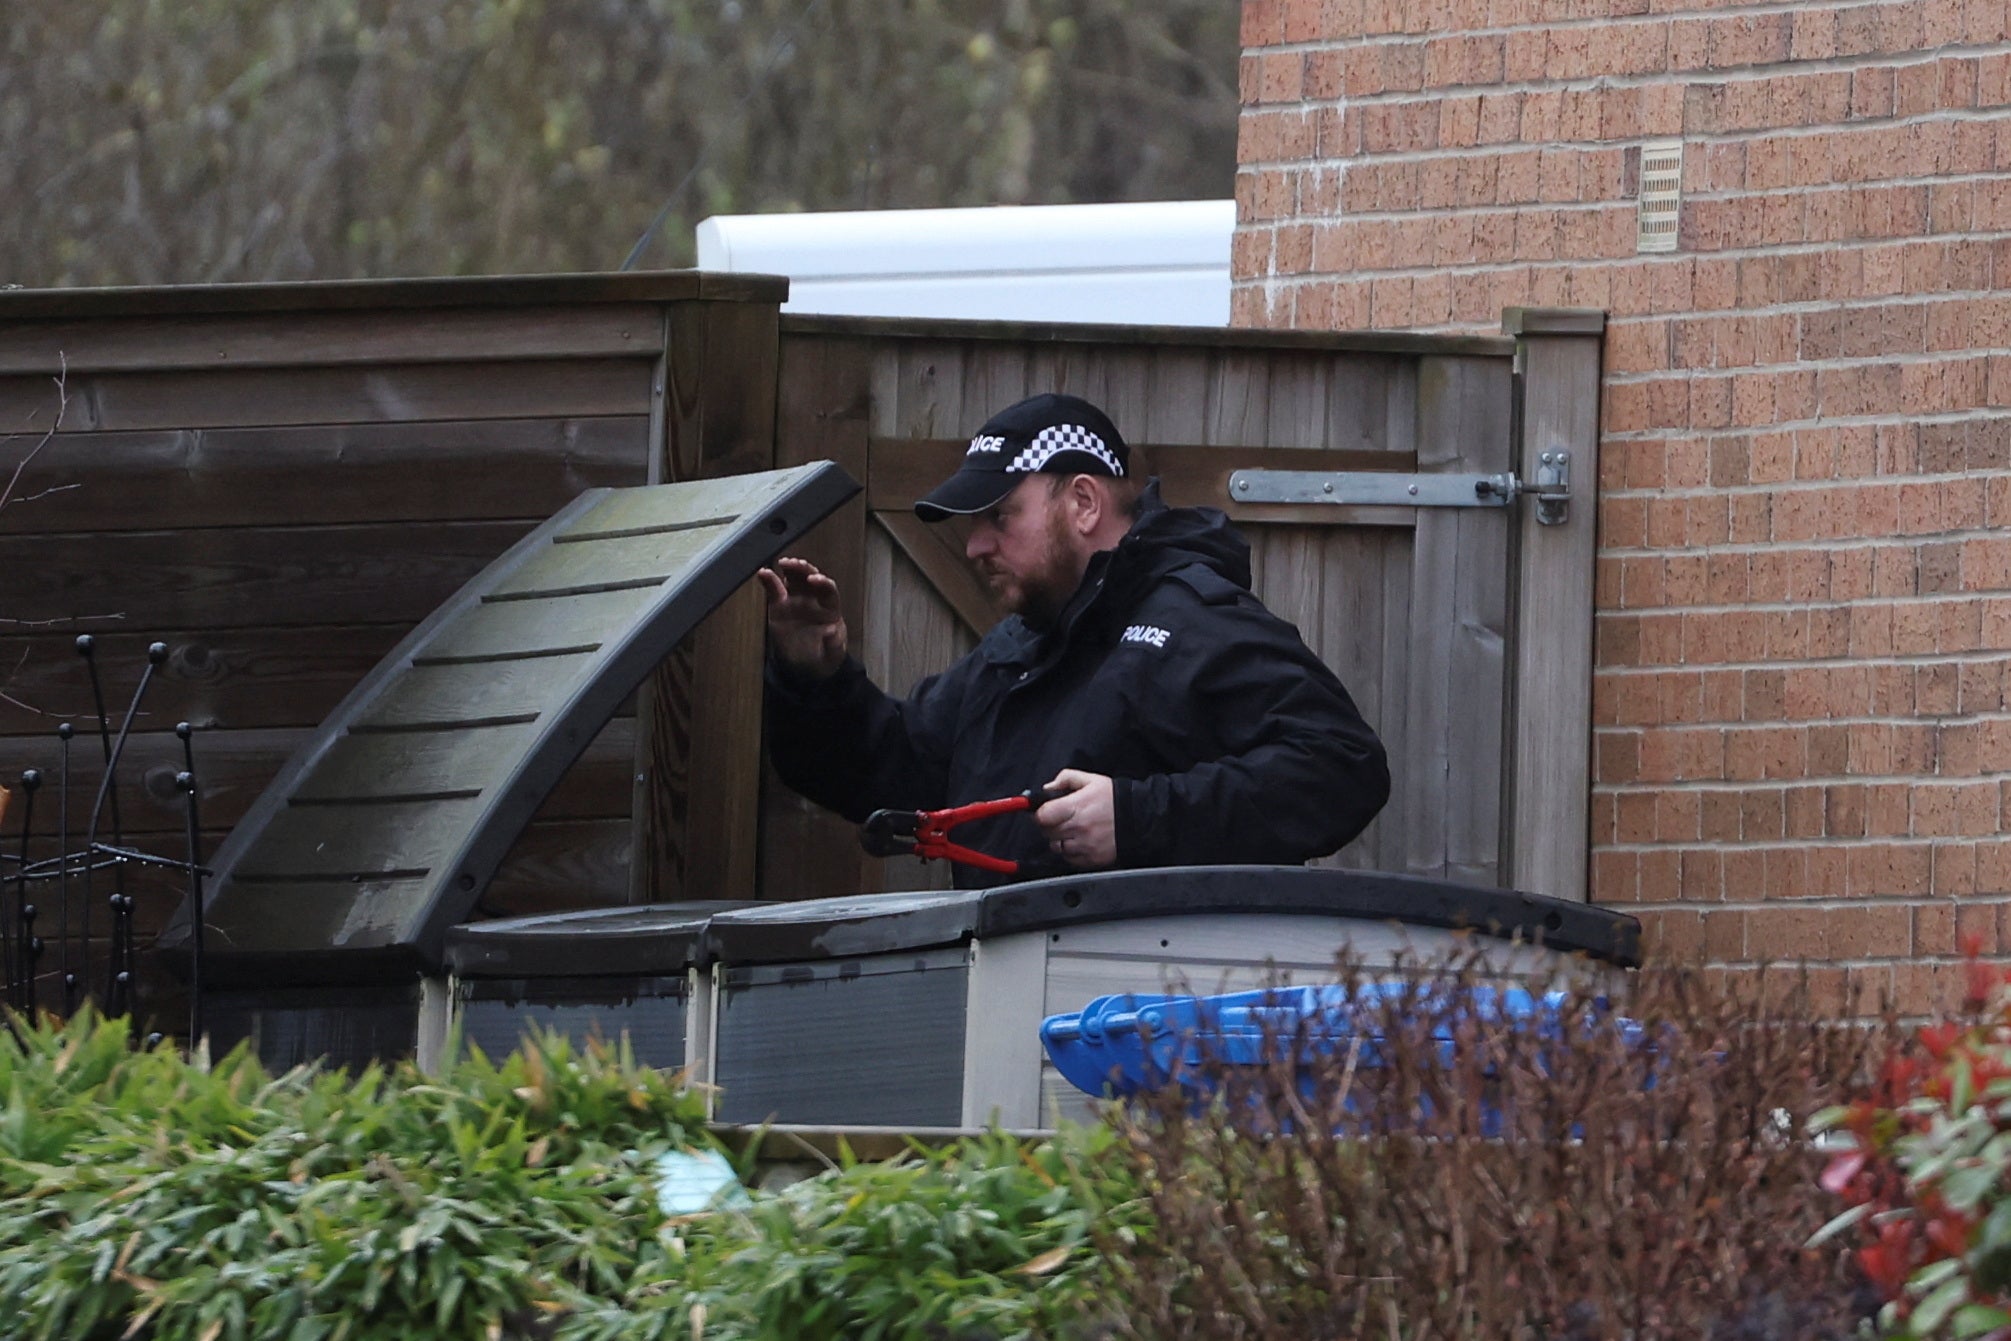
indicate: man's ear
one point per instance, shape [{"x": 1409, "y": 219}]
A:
[{"x": 1089, "y": 503}]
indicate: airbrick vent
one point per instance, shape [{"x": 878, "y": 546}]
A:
[{"x": 1661, "y": 194}]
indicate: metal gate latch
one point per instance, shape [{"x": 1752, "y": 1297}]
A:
[{"x": 1382, "y": 488}]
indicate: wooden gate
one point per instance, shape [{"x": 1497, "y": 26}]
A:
[{"x": 1464, "y": 634}]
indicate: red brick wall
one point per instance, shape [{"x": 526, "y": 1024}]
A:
[{"x": 1804, "y": 582}]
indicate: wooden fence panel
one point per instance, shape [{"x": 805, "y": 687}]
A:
[
  {"x": 1407, "y": 604},
  {"x": 279, "y": 481}
]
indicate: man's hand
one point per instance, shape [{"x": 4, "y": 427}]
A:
[
  {"x": 806, "y": 629},
  {"x": 1081, "y": 826}
]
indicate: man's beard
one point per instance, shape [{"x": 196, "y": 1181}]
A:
[{"x": 1039, "y": 596}]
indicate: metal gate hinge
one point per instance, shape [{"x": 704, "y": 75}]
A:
[{"x": 1380, "y": 488}]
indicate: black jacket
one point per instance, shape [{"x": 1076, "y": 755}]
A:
[{"x": 1228, "y": 739}]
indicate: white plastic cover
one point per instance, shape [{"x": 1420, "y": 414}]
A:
[{"x": 1157, "y": 263}]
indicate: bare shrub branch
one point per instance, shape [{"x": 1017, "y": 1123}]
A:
[{"x": 1435, "y": 1169}]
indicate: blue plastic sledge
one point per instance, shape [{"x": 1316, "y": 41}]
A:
[{"x": 1119, "y": 1046}]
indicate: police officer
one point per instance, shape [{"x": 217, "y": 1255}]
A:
[{"x": 1180, "y": 721}]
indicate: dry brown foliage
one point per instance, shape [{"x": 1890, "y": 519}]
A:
[{"x": 1475, "y": 1176}]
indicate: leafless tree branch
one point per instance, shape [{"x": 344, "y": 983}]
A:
[{"x": 62, "y": 405}]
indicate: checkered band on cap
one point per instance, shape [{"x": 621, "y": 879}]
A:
[{"x": 1051, "y": 442}]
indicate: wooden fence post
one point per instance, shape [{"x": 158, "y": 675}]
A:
[
  {"x": 1546, "y": 809},
  {"x": 698, "y": 720}
]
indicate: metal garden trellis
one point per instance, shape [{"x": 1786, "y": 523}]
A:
[{"x": 22, "y": 942}]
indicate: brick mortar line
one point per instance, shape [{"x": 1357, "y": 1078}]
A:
[
  {"x": 1753, "y": 73},
  {"x": 1743, "y": 965},
  {"x": 1402, "y": 157},
  {"x": 1743, "y": 74},
  {"x": 1894, "y": 661},
  {"x": 1844, "y": 662},
  {"x": 1692, "y": 786},
  {"x": 1433, "y": 213},
  {"x": 1841, "y": 363},
  {"x": 1685, "y": 434},
  {"x": 1847, "y": 544},
  {"x": 1778, "y": 607},
  {"x": 1796, "y": 485},
  {"x": 1706, "y": 784},
  {"x": 1792, "y": 65},
  {"x": 1797, "y": 900},
  {"x": 1743, "y": 668},
  {"x": 1619, "y": 674},
  {"x": 1458, "y": 153},
  {"x": 1823, "y": 902},
  {"x": 1789, "y": 7},
  {"x": 1610, "y": 83},
  {"x": 1750, "y": 489},
  {"x": 1649, "y": 260},
  {"x": 1760, "y": 252},
  {"x": 1808, "y": 307}
]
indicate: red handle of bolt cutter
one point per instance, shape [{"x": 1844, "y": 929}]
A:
[
  {"x": 942, "y": 821},
  {"x": 932, "y": 829},
  {"x": 926, "y": 848}
]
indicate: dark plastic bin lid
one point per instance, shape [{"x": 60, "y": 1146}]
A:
[
  {"x": 599, "y": 942},
  {"x": 843, "y": 928},
  {"x": 892, "y": 923}
]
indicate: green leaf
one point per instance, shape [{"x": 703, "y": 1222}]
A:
[
  {"x": 1966, "y": 1186},
  {"x": 1977, "y": 1320},
  {"x": 1933, "y": 1310},
  {"x": 1840, "y": 1223}
]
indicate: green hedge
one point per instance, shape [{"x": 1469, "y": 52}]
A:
[
  {"x": 147, "y": 1196},
  {"x": 1576, "y": 1180}
]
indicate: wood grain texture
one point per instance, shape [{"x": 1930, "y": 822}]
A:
[
  {"x": 935, "y": 551},
  {"x": 198, "y": 478},
  {"x": 326, "y": 339},
  {"x": 1189, "y": 476},
  {"x": 1550, "y": 794},
  {"x": 222, "y": 678},
  {"x": 404, "y": 393},
  {"x": 725, "y": 805},
  {"x": 1414, "y": 628},
  {"x": 391, "y": 296},
  {"x": 1176, "y": 398},
  {"x": 824, "y": 402},
  {"x": 1239, "y": 399},
  {"x": 256, "y": 577},
  {"x": 560, "y": 865},
  {"x": 1456, "y": 672},
  {"x": 1038, "y": 334},
  {"x": 698, "y": 755}
]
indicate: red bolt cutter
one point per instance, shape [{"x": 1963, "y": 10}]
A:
[{"x": 926, "y": 833}]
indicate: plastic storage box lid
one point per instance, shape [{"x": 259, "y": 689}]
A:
[
  {"x": 870, "y": 924},
  {"x": 654, "y": 938}
]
